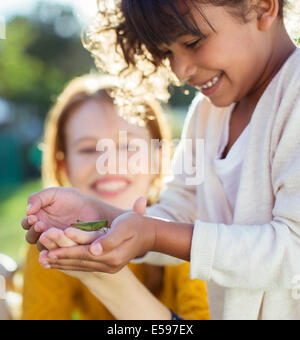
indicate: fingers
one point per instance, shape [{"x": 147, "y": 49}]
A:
[
  {"x": 82, "y": 237},
  {"x": 89, "y": 267},
  {"x": 40, "y": 200},
  {"x": 47, "y": 242},
  {"x": 40, "y": 247},
  {"x": 140, "y": 205},
  {"x": 28, "y": 221},
  {"x": 113, "y": 239},
  {"x": 34, "y": 233},
  {"x": 55, "y": 238},
  {"x": 34, "y": 204},
  {"x": 32, "y": 236},
  {"x": 80, "y": 259},
  {"x": 79, "y": 252},
  {"x": 43, "y": 259}
]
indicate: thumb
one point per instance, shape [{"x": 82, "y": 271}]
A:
[
  {"x": 140, "y": 205},
  {"x": 39, "y": 200}
]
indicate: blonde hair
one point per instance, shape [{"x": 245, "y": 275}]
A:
[{"x": 77, "y": 92}]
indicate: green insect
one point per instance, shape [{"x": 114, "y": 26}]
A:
[{"x": 90, "y": 226}]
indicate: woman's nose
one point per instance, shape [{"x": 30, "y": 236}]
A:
[{"x": 183, "y": 66}]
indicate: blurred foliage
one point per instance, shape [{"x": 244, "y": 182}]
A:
[
  {"x": 41, "y": 53},
  {"x": 12, "y": 209}
]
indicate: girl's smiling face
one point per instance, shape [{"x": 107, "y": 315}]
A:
[
  {"x": 86, "y": 125},
  {"x": 231, "y": 61}
]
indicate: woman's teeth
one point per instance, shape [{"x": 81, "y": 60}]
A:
[{"x": 112, "y": 186}]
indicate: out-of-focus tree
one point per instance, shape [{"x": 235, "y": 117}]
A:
[{"x": 41, "y": 53}]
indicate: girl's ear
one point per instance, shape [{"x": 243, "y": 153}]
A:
[
  {"x": 62, "y": 167},
  {"x": 267, "y": 13}
]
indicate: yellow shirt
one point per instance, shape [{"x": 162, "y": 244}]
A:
[{"x": 53, "y": 295}]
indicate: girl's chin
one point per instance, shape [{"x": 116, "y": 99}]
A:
[{"x": 121, "y": 201}]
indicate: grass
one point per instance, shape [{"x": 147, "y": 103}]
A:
[{"x": 13, "y": 204}]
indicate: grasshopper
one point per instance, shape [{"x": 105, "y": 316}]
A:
[{"x": 90, "y": 226}]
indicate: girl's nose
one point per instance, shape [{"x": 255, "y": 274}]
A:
[{"x": 183, "y": 66}]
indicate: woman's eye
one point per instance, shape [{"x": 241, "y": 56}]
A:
[
  {"x": 87, "y": 151},
  {"x": 124, "y": 147}
]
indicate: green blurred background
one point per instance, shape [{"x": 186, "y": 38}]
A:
[{"x": 42, "y": 51}]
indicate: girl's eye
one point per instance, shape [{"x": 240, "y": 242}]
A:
[{"x": 193, "y": 44}]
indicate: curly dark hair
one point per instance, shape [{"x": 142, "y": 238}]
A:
[
  {"x": 127, "y": 36},
  {"x": 154, "y": 23}
]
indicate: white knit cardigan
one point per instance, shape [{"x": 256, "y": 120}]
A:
[{"x": 250, "y": 257}]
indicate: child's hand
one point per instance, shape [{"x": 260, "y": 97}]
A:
[
  {"x": 131, "y": 235},
  {"x": 55, "y": 238},
  {"x": 59, "y": 208}
]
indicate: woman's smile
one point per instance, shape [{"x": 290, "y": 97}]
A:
[{"x": 111, "y": 186}]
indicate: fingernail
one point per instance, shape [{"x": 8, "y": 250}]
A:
[
  {"x": 96, "y": 249},
  {"x": 38, "y": 229},
  {"x": 44, "y": 253},
  {"x": 52, "y": 256},
  {"x": 46, "y": 265},
  {"x": 29, "y": 207}
]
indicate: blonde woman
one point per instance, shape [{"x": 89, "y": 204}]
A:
[{"x": 83, "y": 115}]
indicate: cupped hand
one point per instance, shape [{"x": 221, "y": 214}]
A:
[
  {"x": 57, "y": 208},
  {"x": 127, "y": 238}
]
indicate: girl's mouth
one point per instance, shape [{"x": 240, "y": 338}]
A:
[
  {"x": 211, "y": 86},
  {"x": 110, "y": 187}
]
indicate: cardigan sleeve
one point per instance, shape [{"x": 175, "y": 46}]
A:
[{"x": 262, "y": 257}]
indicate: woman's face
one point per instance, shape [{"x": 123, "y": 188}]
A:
[{"x": 89, "y": 124}]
